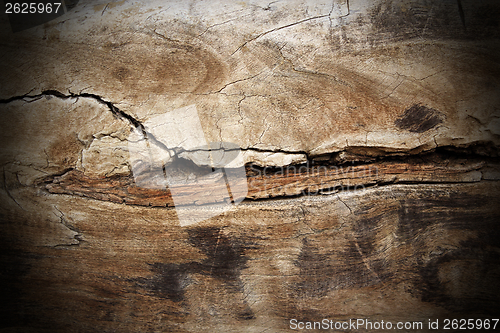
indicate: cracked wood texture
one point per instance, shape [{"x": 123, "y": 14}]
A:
[{"x": 369, "y": 135}]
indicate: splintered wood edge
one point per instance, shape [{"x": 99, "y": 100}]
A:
[{"x": 290, "y": 181}]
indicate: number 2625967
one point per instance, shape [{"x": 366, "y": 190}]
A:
[{"x": 32, "y": 8}]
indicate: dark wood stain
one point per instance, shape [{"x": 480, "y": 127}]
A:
[
  {"x": 225, "y": 256},
  {"x": 225, "y": 260},
  {"x": 461, "y": 280},
  {"x": 476, "y": 280},
  {"x": 168, "y": 281},
  {"x": 419, "y": 119}
]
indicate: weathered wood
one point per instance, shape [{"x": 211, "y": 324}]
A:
[
  {"x": 370, "y": 136},
  {"x": 394, "y": 253},
  {"x": 291, "y": 180}
]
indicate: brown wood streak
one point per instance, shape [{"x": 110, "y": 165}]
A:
[{"x": 277, "y": 182}]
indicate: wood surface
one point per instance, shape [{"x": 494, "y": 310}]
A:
[
  {"x": 369, "y": 136},
  {"x": 393, "y": 253}
]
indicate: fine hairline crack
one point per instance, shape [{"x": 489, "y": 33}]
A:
[{"x": 278, "y": 28}]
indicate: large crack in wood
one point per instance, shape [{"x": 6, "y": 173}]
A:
[
  {"x": 321, "y": 175},
  {"x": 307, "y": 179}
]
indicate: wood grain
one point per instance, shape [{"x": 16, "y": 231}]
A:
[
  {"x": 391, "y": 106},
  {"x": 305, "y": 179},
  {"x": 392, "y": 253}
]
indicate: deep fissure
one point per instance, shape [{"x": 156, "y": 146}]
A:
[{"x": 479, "y": 151}]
